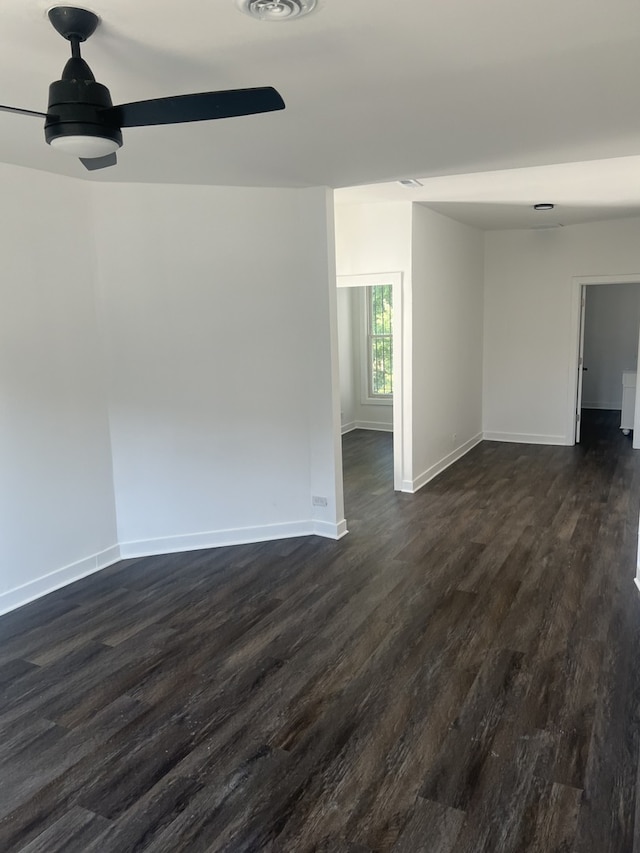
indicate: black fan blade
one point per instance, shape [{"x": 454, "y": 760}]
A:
[
  {"x": 200, "y": 107},
  {"x": 94, "y": 163},
  {"x": 22, "y": 112}
]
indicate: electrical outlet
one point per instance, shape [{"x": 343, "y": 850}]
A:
[{"x": 318, "y": 500}]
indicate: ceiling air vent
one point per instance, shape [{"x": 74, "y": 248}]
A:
[{"x": 276, "y": 10}]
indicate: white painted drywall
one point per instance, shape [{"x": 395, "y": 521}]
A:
[
  {"x": 447, "y": 287},
  {"x": 346, "y": 358},
  {"x": 376, "y": 238},
  {"x": 314, "y": 282},
  {"x": 373, "y": 238},
  {"x": 612, "y": 320},
  {"x": 57, "y": 513},
  {"x": 217, "y": 305},
  {"x": 441, "y": 323},
  {"x": 530, "y": 328}
]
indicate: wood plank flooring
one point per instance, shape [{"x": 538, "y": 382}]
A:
[{"x": 460, "y": 674}]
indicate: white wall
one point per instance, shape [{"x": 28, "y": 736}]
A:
[
  {"x": 441, "y": 323},
  {"x": 57, "y": 515},
  {"x": 447, "y": 286},
  {"x": 217, "y": 305},
  {"x": 612, "y": 320},
  {"x": 376, "y": 238},
  {"x": 373, "y": 238},
  {"x": 347, "y": 352},
  {"x": 316, "y": 257},
  {"x": 531, "y": 324},
  {"x": 357, "y": 412}
]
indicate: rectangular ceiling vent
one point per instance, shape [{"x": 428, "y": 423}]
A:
[{"x": 410, "y": 182}]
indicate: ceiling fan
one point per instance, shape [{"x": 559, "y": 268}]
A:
[{"x": 81, "y": 119}]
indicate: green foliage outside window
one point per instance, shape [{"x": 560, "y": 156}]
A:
[{"x": 379, "y": 335}]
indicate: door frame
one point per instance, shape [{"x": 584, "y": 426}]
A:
[
  {"x": 580, "y": 369},
  {"x": 579, "y": 284},
  {"x": 395, "y": 279}
]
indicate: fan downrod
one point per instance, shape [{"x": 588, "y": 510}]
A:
[{"x": 73, "y": 23}]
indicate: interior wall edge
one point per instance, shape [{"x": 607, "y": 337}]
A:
[
  {"x": 39, "y": 587},
  {"x": 222, "y": 538},
  {"x": 412, "y": 486},
  {"x": 64, "y": 576},
  {"x": 526, "y": 438},
  {"x": 607, "y": 406},
  {"x": 376, "y": 426}
]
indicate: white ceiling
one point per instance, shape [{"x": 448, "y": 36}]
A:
[
  {"x": 375, "y": 90},
  {"x": 581, "y": 192}
]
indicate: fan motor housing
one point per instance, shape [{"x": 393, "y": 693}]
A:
[{"x": 74, "y": 110}]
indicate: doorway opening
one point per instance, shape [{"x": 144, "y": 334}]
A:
[
  {"x": 607, "y": 357},
  {"x": 370, "y": 400}
]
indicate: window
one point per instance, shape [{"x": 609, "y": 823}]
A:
[{"x": 379, "y": 341}]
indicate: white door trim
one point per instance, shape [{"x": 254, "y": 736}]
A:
[
  {"x": 580, "y": 370},
  {"x": 578, "y": 282}
]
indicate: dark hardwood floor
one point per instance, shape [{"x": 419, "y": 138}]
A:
[{"x": 460, "y": 674}]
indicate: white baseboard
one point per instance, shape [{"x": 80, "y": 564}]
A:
[
  {"x": 15, "y": 598},
  {"x": 234, "y": 536},
  {"x": 374, "y": 425},
  {"x": 617, "y": 406},
  {"x": 330, "y": 530},
  {"x": 525, "y": 438},
  {"x": 411, "y": 487}
]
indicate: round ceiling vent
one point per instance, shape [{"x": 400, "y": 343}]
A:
[{"x": 276, "y": 10}]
